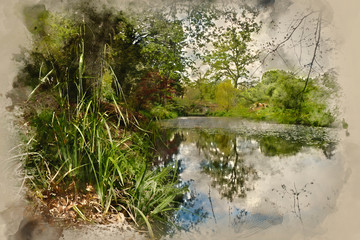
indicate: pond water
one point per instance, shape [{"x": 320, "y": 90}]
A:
[{"x": 251, "y": 180}]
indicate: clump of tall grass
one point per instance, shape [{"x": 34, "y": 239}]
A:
[
  {"x": 82, "y": 146},
  {"x": 78, "y": 144}
]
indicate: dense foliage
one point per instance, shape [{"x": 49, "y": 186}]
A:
[{"x": 280, "y": 96}]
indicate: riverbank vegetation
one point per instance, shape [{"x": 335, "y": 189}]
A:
[
  {"x": 98, "y": 79},
  {"x": 89, "y": 134},
  {"x": 280, "y": 97}
]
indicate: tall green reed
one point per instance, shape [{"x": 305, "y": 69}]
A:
[{"x": 79, "y": 144}]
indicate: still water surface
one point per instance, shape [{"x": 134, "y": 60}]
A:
[{"x": 251, "y": 180}]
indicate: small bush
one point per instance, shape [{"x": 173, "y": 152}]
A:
[{"x": 160, "y": 112}]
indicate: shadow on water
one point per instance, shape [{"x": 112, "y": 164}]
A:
[{"x": 237, "y": 172}]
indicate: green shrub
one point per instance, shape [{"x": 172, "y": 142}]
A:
[
  {"x": 160, "y": 112},
  {"x": 225, "y": 95}
]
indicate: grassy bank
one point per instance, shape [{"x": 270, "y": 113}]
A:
[
  {"x": 87, "y": 149},
  {"x": 100, "y": 161}
]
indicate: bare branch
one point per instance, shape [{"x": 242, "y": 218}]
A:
[
  {"x": 296, "y": 54},
  {"x": 286, "y": 38},
  {"x": 317, "y": 44},
  {"x": 286, "y": 63}
]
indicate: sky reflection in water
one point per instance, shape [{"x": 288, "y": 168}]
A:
[{"x": 271, "y": 179}]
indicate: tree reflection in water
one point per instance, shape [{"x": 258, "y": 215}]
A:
[
  {"x": 275, "y": 146},
  {"x": 167, "y": 144},
  {"x": 224, "y": 163},
  {"x": 225, "y": 157},
  {"x": 225, "y": 153}
]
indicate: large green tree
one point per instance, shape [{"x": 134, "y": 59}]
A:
[
  {"x": 163, "y": 44},
  {"x": 230, "y": 52},
  {"x": 285, "y": 93},
  {"x": 222, "y": 37}
]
